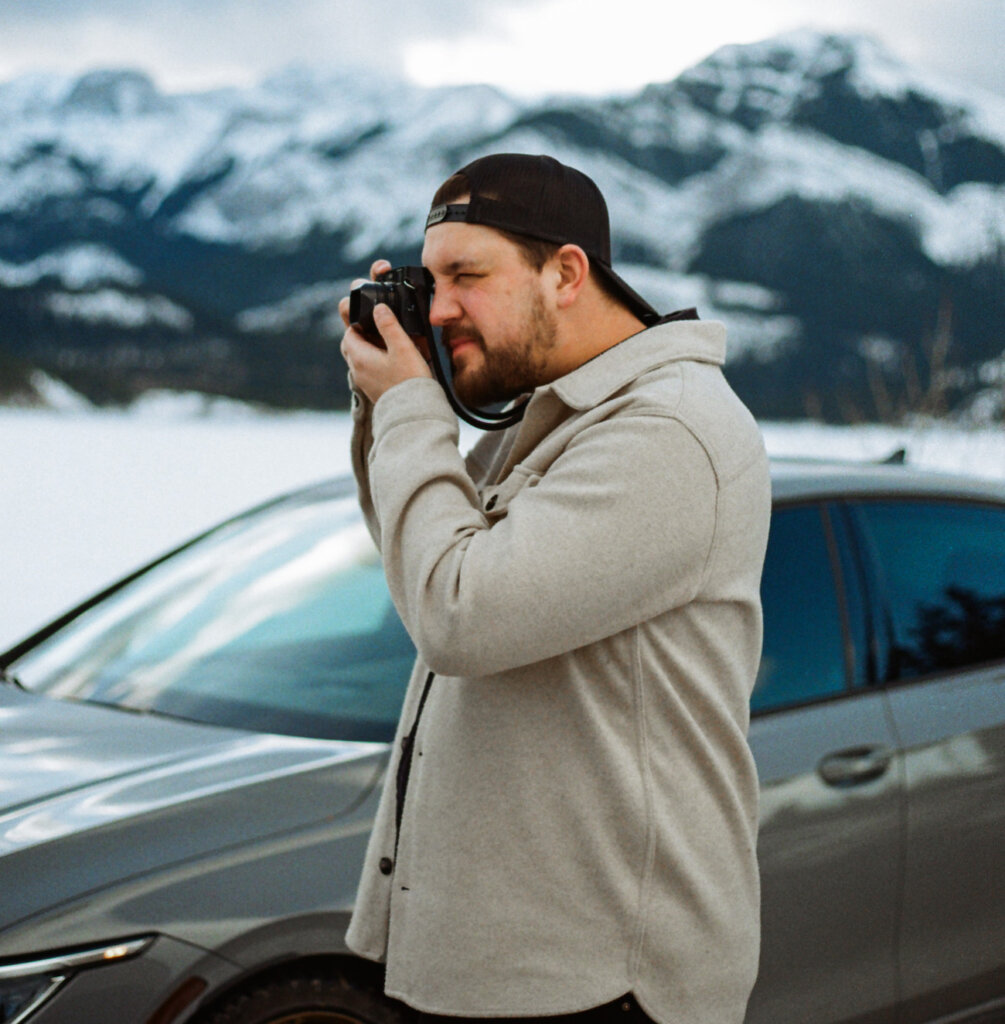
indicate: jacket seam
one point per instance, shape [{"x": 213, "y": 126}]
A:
[
  {"x": 611, "y": 388},
  {"x": 706, "y": 568},
  {"x": 746, "y": 467},
  {"x": 649, "y": 855}
]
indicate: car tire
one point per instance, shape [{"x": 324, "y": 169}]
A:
[{"x": 311, "y": 998}]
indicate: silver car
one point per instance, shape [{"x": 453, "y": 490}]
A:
[{"x": 190, "y": 765}]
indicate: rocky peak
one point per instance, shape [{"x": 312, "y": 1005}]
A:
[{"x": 120, "y": 93}]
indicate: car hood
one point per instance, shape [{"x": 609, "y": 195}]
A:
[{"x": 90, "y": 794}]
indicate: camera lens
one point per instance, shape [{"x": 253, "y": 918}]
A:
[{"x": 361, "y": 303}]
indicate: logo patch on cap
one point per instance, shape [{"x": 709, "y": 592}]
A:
[{"x": 436, "y": 214}]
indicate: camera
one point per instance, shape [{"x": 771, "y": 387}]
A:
[
  {"x": 407, "y": 291},
  {"x": 404, "y": 289}
]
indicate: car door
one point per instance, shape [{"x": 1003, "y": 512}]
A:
[
  {"x": 940, "y": 568},
  {"x": 830, "y": 838}
]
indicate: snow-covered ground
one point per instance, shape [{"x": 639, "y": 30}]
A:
[{"x": 86, "y": 496}]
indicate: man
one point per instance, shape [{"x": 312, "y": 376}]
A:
[{"x": 570, "y": 821}]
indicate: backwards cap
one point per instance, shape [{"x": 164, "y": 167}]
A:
[{"x": 542, "y": 198}]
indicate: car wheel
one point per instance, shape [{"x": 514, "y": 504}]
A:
[{"x": 316, "y": 998}]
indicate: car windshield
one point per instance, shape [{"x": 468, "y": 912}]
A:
[{"x": 279, "y": 622}]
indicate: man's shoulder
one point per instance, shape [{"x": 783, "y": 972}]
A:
[
  {"x": 621, "y": 365},
  {"x": 696, "y": 395}
]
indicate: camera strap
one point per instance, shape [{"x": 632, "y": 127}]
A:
[
  {"x": 405, "y": 762},
  {"x": 484, "y": 419},
  {"x": 420, "y": 281}
]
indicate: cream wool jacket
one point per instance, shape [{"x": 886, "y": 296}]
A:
[{"x": 581, "y": 816}]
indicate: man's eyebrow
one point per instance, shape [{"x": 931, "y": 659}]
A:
[{"x": 464, "y": 263}]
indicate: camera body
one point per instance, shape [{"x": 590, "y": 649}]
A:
[{"x": 405, "y": 290}]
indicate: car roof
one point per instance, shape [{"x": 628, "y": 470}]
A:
[
  {"x": 799, "y": 479},
  {"x": 795, "y": 479}
]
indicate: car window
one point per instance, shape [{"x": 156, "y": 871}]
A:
[
  {"x": 803, "y": 654},
  {"x": 942, "y": 570},
  {"x": 280, "y": 622}
]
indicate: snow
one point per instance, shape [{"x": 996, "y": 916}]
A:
[
  {"x": 30, "y": 184},
  {"x": 747, "y": 310},
  {"x": 76, "y": 266},
  {"x": 56, "y": 395},
  {"x": 749, "y": 73},
  {"x": 35, "y": 91},
  {"x": 89, "y": 496},
  {"x": 109, "y": 306},
  {"x": 161, "y": 143},
  {"x": 969, "y": 227},
  {"x": 297, "y": 310}
]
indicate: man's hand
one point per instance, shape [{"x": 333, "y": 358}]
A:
[{"x": 375, "y": 369}]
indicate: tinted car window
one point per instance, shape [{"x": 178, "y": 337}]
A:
[
  {"x": 943, "y": 575},
  {"x": 803, "y": 654},
  {"x": 279, "y": 622}
]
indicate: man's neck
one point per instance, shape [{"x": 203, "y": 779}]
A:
[{"x": 589, "y": 330}]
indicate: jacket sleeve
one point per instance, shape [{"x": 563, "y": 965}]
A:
[
  {"x": 360, "y": 444},
  {"x": 618, "y": 529}
]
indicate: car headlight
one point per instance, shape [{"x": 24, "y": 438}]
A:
[{"x": 27, "y": 984}]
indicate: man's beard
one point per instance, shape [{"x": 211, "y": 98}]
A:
[{"x": 510, "y": 368}]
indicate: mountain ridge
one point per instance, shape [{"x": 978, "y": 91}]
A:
[{"x": 844, "y": 215}]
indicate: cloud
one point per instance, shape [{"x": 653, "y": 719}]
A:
[
  {"x": 191, "y": 43},
  {"x": 586, "y": 45},
  {"x": 523, "y": 45}
]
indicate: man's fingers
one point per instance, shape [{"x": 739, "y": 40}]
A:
[
  {"x": 390, "y": 330},
  {"x": 351, "y": 341},
  {"x": 377, "y": 268},
  {"x": 377, "y": 365},
  {"x": 343, "y": 306},
  {"x": 394, "y": 334},
  {"x": 367, "y": 362}
]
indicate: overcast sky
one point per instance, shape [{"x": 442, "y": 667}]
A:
[{"x": 529, "y": 47}]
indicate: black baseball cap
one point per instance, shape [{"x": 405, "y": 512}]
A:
[{"x": 539, "y": 197}]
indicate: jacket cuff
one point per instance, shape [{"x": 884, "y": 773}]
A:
[{"x": 359, "y": 404}]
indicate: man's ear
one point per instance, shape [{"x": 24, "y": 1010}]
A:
[{"x": 572, "y": 271}]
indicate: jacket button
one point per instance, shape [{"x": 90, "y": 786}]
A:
[
  {"x": 386, "y": 865},
  {"x": 491, "y": 503}
]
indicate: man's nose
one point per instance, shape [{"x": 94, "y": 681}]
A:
[{"x": 444, "y": 308}]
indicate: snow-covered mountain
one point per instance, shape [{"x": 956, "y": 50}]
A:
[{"x": 844, "y": 215}]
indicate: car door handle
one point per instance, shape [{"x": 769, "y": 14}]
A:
[{"x": 854, "y": 765}]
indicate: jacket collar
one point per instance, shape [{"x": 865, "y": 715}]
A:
[{"x": 609, "y": 372}]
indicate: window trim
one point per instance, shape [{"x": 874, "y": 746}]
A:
[
  {"x": 841, "y": 589},
  {"x": 876, "y": 625},
  {"x": 832, "y": 543}
]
